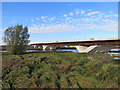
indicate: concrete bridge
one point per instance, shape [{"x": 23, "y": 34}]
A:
[{"x": 83, "y": 46}]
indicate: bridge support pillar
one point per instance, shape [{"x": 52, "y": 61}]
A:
[
  {"x": 85, "y": 49},
  {"x": 102, "y": 48},
  {"x": 40, "y": 47},
  {"x": 53, "y": 48},
  {"x": 49, "y": 47},
  {"x": 45, "y": 47},
  {"x": 94, "y": 48},
  {"x": 35, "y": 46}
]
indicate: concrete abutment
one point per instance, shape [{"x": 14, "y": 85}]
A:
[{"x": 94, "y": 48}]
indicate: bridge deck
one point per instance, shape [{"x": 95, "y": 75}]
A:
[{"x": 85, "y": 42}]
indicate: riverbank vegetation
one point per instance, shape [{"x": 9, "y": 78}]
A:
[{"x": 59, "y": 70}]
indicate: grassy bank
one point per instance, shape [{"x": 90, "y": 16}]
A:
[{"x": 59, "y": 70}]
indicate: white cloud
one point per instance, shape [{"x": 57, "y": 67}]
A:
[
  {"x": 82, "y": 19},
  {"x": 82, "y": 11},
  {"x": 52, "y": 18},
  {"x": 92, "y": 13},
  {"x": 107, "y": 15},
  {"x": 44, "y": 20},
  {"x": 52, "y": 28},
  {"x": 65, "y": 15},
  {"x": 32, "y": 20},
  {"x": 110, "y": 27},
  {"x": 97, "y": 20},
  {"x": 37, "y": 18},
  {"x": 87, "y": 19},
  {"x": 116, "y": 15},
  {"x": 106, "y": 20},
  {"x": 42, "y": 17},
  {"x": 43, "y": 24},
  {"x": 67, "y": 18},
  {"x": 77, "y": 11},
  {"x": 76, "y": 27},
  {"x": 101, "y": 14},
  {"x": 34, "y": 24},
  {"x": 71, "y": 14}
]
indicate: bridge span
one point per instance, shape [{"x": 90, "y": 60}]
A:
[{"x": 83, "y": 46}]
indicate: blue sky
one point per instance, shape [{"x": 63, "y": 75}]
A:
[
  {"x": 60, "y": 0},
  {"x": 58, "y": 21}
]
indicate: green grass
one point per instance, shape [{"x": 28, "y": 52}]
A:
[{"x": 58, "y": 70}]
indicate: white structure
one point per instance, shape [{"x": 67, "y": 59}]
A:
[
  {"x": 85, "y": 49},
  {"x": 94, "y": 48},
  {"x": 49, "y": 47},
  {"x": 81, "y": 49},
  {"x": 83, "y": 46}
]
